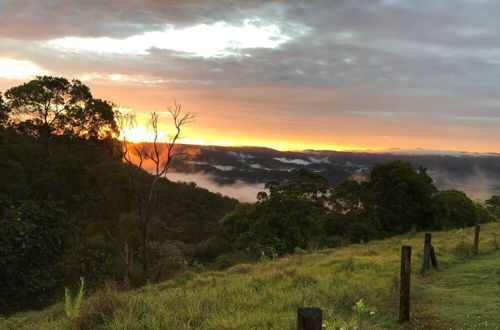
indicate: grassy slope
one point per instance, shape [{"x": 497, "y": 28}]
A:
[
  {"x": 466, "y": 296},
  {"x": 266, "y": 295}
]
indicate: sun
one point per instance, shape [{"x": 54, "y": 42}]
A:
[
  {"x": 137, "y": 134},
  {"x": 140, "y": 134}
]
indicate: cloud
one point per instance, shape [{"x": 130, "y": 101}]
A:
[
  {"x": 242, "y": 191},
  {"x": 420, "y": 152},
  {"x": 18, "y": 69},
  {"x": 292, "y": 161},
  {"x": 223, "y": 167},
  {"x": 241, "y": 156},
  {"x": 259, "y": 167},
  {"x": 359, "y": 68},
  {"x": 320, "y": 160},
  {"x": 217, "y": 40}
]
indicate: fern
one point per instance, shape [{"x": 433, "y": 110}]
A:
[{"x": 73, "y": 306}]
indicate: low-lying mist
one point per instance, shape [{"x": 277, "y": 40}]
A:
[
  {"x": 479, "y": 185},
  {"x": 240, "y": 190}
]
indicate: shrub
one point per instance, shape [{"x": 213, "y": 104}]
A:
[{"x": 73, "y": 306}]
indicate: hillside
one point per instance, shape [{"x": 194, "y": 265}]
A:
[{"x": 463, "y": 294}]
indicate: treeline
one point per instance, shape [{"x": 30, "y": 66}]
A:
[
  {"x": 306, "y": 213},
  {"x": 72, "y": 206}
]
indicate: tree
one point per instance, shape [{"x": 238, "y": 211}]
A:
[
  {"x": 306, "y": 183},
  {"x": 352, "y": 211},
  {"x": 4, "y": 111},
  {"x": 403, "y": 196},
  {"x": 281, "y": 221},
  {"x": 31, "y": 244},
  {"x": 46, "y": 106},
  {"x": 493, "y": 204},
  {"x": 161, "y": 156},
  {"x": 454, "y": 210}
]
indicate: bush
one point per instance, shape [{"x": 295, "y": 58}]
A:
[
  {"x": 31, "y": 243},
  {"x": 101, "y": 306},
  {"x": 231, "y": 259}
]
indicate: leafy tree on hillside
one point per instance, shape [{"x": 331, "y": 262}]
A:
[
  {"x": 403, "y": 196},
  {"x": 283, "y": 220},
  {"x": 352, "y": 212},
  {"x": 493, "y": 204},
  {"x": 311, "y": 184},
  {"x": 455, "y": 209}
]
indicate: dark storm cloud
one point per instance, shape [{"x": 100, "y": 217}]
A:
[{"x": 35, "y": 19}]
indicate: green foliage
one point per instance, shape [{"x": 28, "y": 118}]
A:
[
  {"x": 455, "y": 209},
  {"x": 493, "y": 205},
  {"x": 187, "y": 213},
  {"x": 73, "y": 305},
  {"x": 403, "y": 196},
  {"x": 360, "y": 320},
  {"x": 352, "y": 212},
  {"x": 396, "y": 199},
  {"x": 232, "y": 258},
  {"x": 31, "y": 244},
  {"x": 167, "y": 257},
  {"x": 4, "y": 111},
  {"x": 277, "y": 224}
]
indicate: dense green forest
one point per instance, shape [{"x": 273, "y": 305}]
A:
[{"x": 71, "y": 207}]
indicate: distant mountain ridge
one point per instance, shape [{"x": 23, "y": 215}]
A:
[{"x": 476, "y": 174}]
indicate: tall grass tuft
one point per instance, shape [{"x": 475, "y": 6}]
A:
[{"x": 73, "y": 306}]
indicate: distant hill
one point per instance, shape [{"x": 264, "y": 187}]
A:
[{"x": 246, "y": 169}]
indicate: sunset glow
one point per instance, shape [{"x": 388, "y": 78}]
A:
[{"x": 285, "y": 75}]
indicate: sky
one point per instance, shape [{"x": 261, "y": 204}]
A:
[{"x": 289, "y": 74}]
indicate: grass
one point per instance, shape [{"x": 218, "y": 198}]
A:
[
  {"x": 73, "y": 306},
  {"x": 356, "y": 286},
  {"x": 467, "y": 296}
]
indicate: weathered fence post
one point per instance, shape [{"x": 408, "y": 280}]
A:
[
  {"x": 309, "y": 318},
  {"x": 433, "y": 257},
  {"x": 427, "y": 254},
  {"x": 476, "y": 239},
  {"x": 405, "y": 276}
]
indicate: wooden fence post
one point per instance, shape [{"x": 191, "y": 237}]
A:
[
  {"x": 405, "y": 276},
  {"x": 476, "y": 239},
  {"x": 433, "y": 257},
  {"x": 309, "y": 318},
  {"x": 427, "y": 254}
]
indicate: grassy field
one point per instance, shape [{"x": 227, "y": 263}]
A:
[
  {"x": 356, "y": 286},
  {"x": 466, "y": 296}
]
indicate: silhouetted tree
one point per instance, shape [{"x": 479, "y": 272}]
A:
[
  {"x": 4, "y": 111},
  {"x": 47, "y": 106},
  {"x": 160, "y": 155}
]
